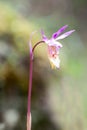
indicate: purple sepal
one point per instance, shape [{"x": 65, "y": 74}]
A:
[
  {"x": 56, "y": 34},
  {"x": 65, "y": 35}
]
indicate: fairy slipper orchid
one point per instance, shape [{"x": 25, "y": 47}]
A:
[{"x": 54, "y": 45}]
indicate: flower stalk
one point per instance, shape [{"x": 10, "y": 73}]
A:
[
  {"x": 29, "y": 90},
  {"x": 30, "y": 84}
]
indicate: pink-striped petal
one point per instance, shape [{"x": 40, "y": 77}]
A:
[
  {"x": 56, "y": 34},
  {"x": 65, "y": 35}
]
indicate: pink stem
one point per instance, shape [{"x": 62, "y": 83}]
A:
[
  {"x": 29, "y": 91},
  {"x": 30, "y": 85},
  {"x": 37, "y": 44}
]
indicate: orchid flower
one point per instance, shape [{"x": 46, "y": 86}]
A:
[{"x": 54, "y": 45}]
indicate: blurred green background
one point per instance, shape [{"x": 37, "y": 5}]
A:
[{"x": 59, "y": 97}]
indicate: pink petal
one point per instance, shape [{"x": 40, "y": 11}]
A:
[
  {"x": 56, "y": 34},
  {"x": 44, "y": 36},
  {"x": 65, "y": 35},
  {"x": 53, "y": 42}
]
